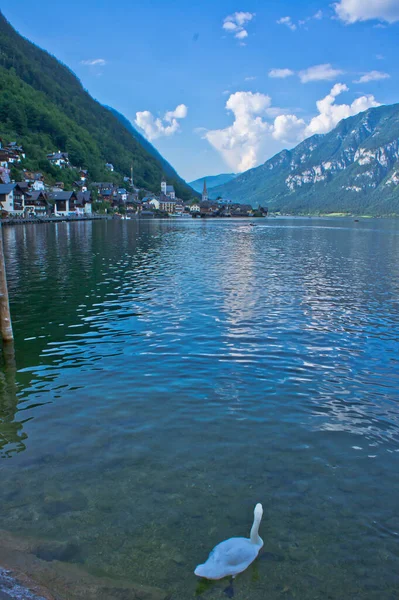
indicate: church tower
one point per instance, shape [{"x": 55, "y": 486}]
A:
[
  {"x": 163, "y": 186},
  {"x": 204, "y": 193}
]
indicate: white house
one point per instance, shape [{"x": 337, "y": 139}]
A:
[
  {"x": 59, "y": 159},
  {"x": 7, "y": 196},
  {"x": 12, "y": 197},
  {"x": 64, "y": 202},
  {"x": 122, "y": 193},
  {"x": 38, "y": 185},
  {"x": 195, "y": 208},
  {"x": 154, "y": 203}
]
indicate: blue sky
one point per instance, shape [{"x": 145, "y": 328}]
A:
[{"x": 222, "y": 86}]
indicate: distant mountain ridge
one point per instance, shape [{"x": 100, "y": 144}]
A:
[
  {"x": 44, "y": 107},
  {"x": 354, "y": 168},
  {"x": 212, "y": 181}
]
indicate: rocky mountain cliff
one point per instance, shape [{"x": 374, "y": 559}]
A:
[{"x": 354, "y": 168}]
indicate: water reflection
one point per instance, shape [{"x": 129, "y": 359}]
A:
[
  {"x": 188, "y": 369},
  {"x": 12, "y": 436}
]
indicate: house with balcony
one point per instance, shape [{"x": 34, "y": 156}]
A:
[
  {"x": 36, "y": 202},
  {"x": 63, "y": 203},
  {"x": 167, "y": 204},
  {"x": 12, "y": 198}
]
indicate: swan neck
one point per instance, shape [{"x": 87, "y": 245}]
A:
[{"x": 254, "y": 535}]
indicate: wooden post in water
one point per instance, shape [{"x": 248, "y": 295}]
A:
[{"x": 5, "y": 316}]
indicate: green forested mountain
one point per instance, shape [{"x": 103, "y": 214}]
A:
[
  {"x": 167, "y": 168},
  {"x": 44, "y": 107},
  {"x": 354, "y": 168},
  {"x": 211, "y": 181}
]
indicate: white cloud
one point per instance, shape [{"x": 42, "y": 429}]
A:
[
  {"x": 250, "y": 78},
  {"x": 323, "y": 72},
  {"x": 288, "y": 129},
  {"x": 258, "y": 132},
  {"x": 372, "y": 76},
  {"x": 155, "y": 127},
  {"x": 288, "y": 22},
  {"x": 236, "y": 24},
  {"x": 280, "y": 73},
  {"x": 351, "y": 11},
  {"x": 240, "y": 143},
  {"x": 95, "y": 62},
  {"x": 242, "y": 34},
  {"x": 330, "y": 114}
]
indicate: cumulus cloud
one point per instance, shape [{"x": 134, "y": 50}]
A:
[
  {"x": 236, "y": 24},
  {"x": 287, "y": 21},
  {"x": 95, "y": 62},
  {"x": 280, "y": 73},
  {"x": 155, "y": 127},
  {"x": 372, "y": 76},
  {"x": 257, "y": 131},
  {"x": 288, "y": 128},
  {"x": 330, "y": 114},
  {"x": 352, "y": 11},
  {"x": 240, "y": 143},
  {"x": 323, "y": 72}
]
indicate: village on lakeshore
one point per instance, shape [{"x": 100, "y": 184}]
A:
[{"x": 35, "y": 198}]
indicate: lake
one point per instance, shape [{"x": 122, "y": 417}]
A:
[{"x": 172, "y": 373}]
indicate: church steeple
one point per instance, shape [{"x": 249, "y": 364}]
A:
[{"x": 204, "y": 193}]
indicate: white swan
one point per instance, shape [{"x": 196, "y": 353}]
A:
[{"x": 233, "y": 556}]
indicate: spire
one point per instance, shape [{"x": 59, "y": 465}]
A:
[{"x": 204, "y": 193}]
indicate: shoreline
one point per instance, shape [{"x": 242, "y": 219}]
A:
[{"x": 37, "y": 569}]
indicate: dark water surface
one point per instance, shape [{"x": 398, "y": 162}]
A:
[{"x": 172, "y": 374}]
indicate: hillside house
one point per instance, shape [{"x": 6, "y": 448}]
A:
[
  {"x": 122, "y": 195},
  {"x": 12, "y": 197},
  {"x": 63, "y": 203},
  {"x": 83, "y": 203},
  {"x": 59, "y": 159},
  {"x": 36, "y": 202},
  {"x": 16, "y": 152}
]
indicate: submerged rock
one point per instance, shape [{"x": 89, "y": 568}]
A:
[{"x": 65, "y": 552}]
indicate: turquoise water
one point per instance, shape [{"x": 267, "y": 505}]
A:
[{"x": 171, "y": 374}]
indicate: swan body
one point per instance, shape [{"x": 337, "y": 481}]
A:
[{"x": 233, "y": 556}]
